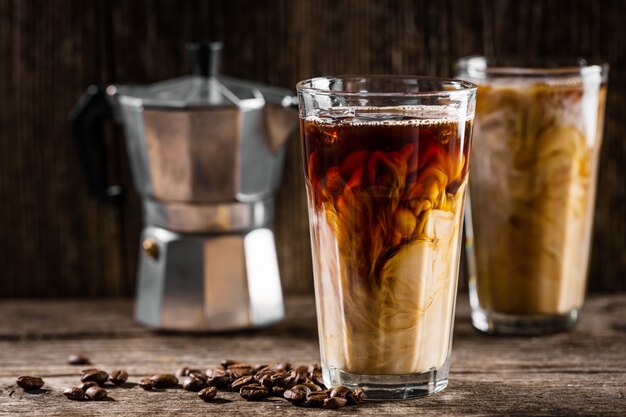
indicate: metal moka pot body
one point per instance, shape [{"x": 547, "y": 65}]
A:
[{"x": 206, "y": 155}]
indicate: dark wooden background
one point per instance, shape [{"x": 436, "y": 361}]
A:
[{"x": 56, "y": 240}]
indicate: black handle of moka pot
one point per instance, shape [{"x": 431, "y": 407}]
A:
[{"x": 87, "y": 117}]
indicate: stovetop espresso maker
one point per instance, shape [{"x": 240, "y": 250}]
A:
[{"x": 206, "y": 154}]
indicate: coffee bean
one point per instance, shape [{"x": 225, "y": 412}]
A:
[
  {"x": 339, "y": 391},
  {"x": 279, "y": 378},
  {"x": 296, "y": 377},
  {"x": 239, "y": 370},
  {"x": 95, "y": 375},
  {"x": 264, "y": 379},
  {"x": 228, "y": 362},
  {"x": 118, "y": 377},
  {"x": 78, "y": 359},
  {"x": 187, "y": 371},
  {"x": 164, "y": 380},
  {"x": 242, "y": 382},
  {"x": 86, "y": 385},
  {"x": 74, "y": 393},
  {"x": 146, "y": 384},
  {"x": 278, "y": 366},
  {"x": 314, "y": 368},
  {"x": 262, "y": 367},
  {"x": 295, "y": 396},
  {"x": 335, "y": 403},
  {"x": 193, "y": 384},
  {"x": 302, "y": 387},
  {"x": 278, "y": 391},
  {"x": 317, "y": 378},
  {"x": 184, "y": 371},
  {"x": 218, "y": 378},
  {"x": 208, "y": 393},
  {"x": 301, "y": 371},
  {"x": 253, "y": 392},
  {"x": 96, "y": 393},
  {"x": 313, "y": 387},
  {"x": 315, "y": 399},
  {"x": 196, "y": 373},
  {"x": 360, "y": 395},
  {"x": 29, "y": 383}
]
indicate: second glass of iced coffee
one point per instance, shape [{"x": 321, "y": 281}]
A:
[
  {"x": 536, "y": 147},
  {"x": 386, "y": 165}
]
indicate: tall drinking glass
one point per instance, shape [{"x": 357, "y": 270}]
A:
[
  {"x": 386, "y": 164},
  {"x": 536, "y": 147}
]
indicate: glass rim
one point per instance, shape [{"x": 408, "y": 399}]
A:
[
  {"x": 458, "y": 86},
  {"x": 479, "y": 65}
]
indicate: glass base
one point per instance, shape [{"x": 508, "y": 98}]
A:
[
  {"x": 390, "y": 387},
  {"x": 509, "y": 324}
]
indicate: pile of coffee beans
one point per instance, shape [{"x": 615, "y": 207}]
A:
[{"x": 300, "y": 385}]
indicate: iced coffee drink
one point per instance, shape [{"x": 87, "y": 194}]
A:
[
  {"x": 386, "y": 189},
  {"x": 536, "y": 146}
]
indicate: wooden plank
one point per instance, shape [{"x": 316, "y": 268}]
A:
[
  {"x": 580, "y": 372},
  {"x": 57, "y": 241}
]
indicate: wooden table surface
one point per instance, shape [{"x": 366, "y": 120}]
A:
[{"x": 582, "y": 372}]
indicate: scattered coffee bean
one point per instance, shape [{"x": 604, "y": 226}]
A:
[
  {"x": 295, "y": 396},
  {"x": 118, "y": 377},
  {"x": 297, "y": 377},
  {"x": 29, "y": 383},
  {"x": 207, "y": 394},
  {"x": 96, "y": 393},
  {"x": 86, "y": 385},
  {"x": 74, "y": 393},
  {"x": 184, "y": 371},
  {"x": 360, "y": 395},
  {"x": 339, "y": 391},
  {"x": 279, "y": 378},
  {"x": 228, "y": 362},
  {"x": 335, "y": 403},
  {"x": 218, "y": 378},
  {"x": 164, "y": 380},
  {"x": 95, "y": 375},
  {"x": 238, "y": 370},
  {"x": 315, "y": 399},
  {"x": 302, "y": 387},
  {"x": 254, "y": 392},
  {"x": 313, "y": 387},
  {"x": 193, "y": 384},
  {"x": 259, "y": 367},
  {"x": 242, "y": 382},
  {"x": 264, "y": 378},
  {"x": 278, "y": 391},
  {"x": 317, "y": 378},
  {"x": 187, "y": 371},
  {"x": 78, "y": 359},
  {"x": 278, "y": 366},
  {"x": 146, "y": 384},
  {"x": 314, "y": 368},
  {"x": 196, "y": 373}
]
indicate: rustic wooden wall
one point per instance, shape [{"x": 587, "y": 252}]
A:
[{"x": 55, "y": 240}]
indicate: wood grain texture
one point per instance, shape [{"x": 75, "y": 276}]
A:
[
  {"x": 56, "y": 240},
  {"x": 582, "y": 372}
]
